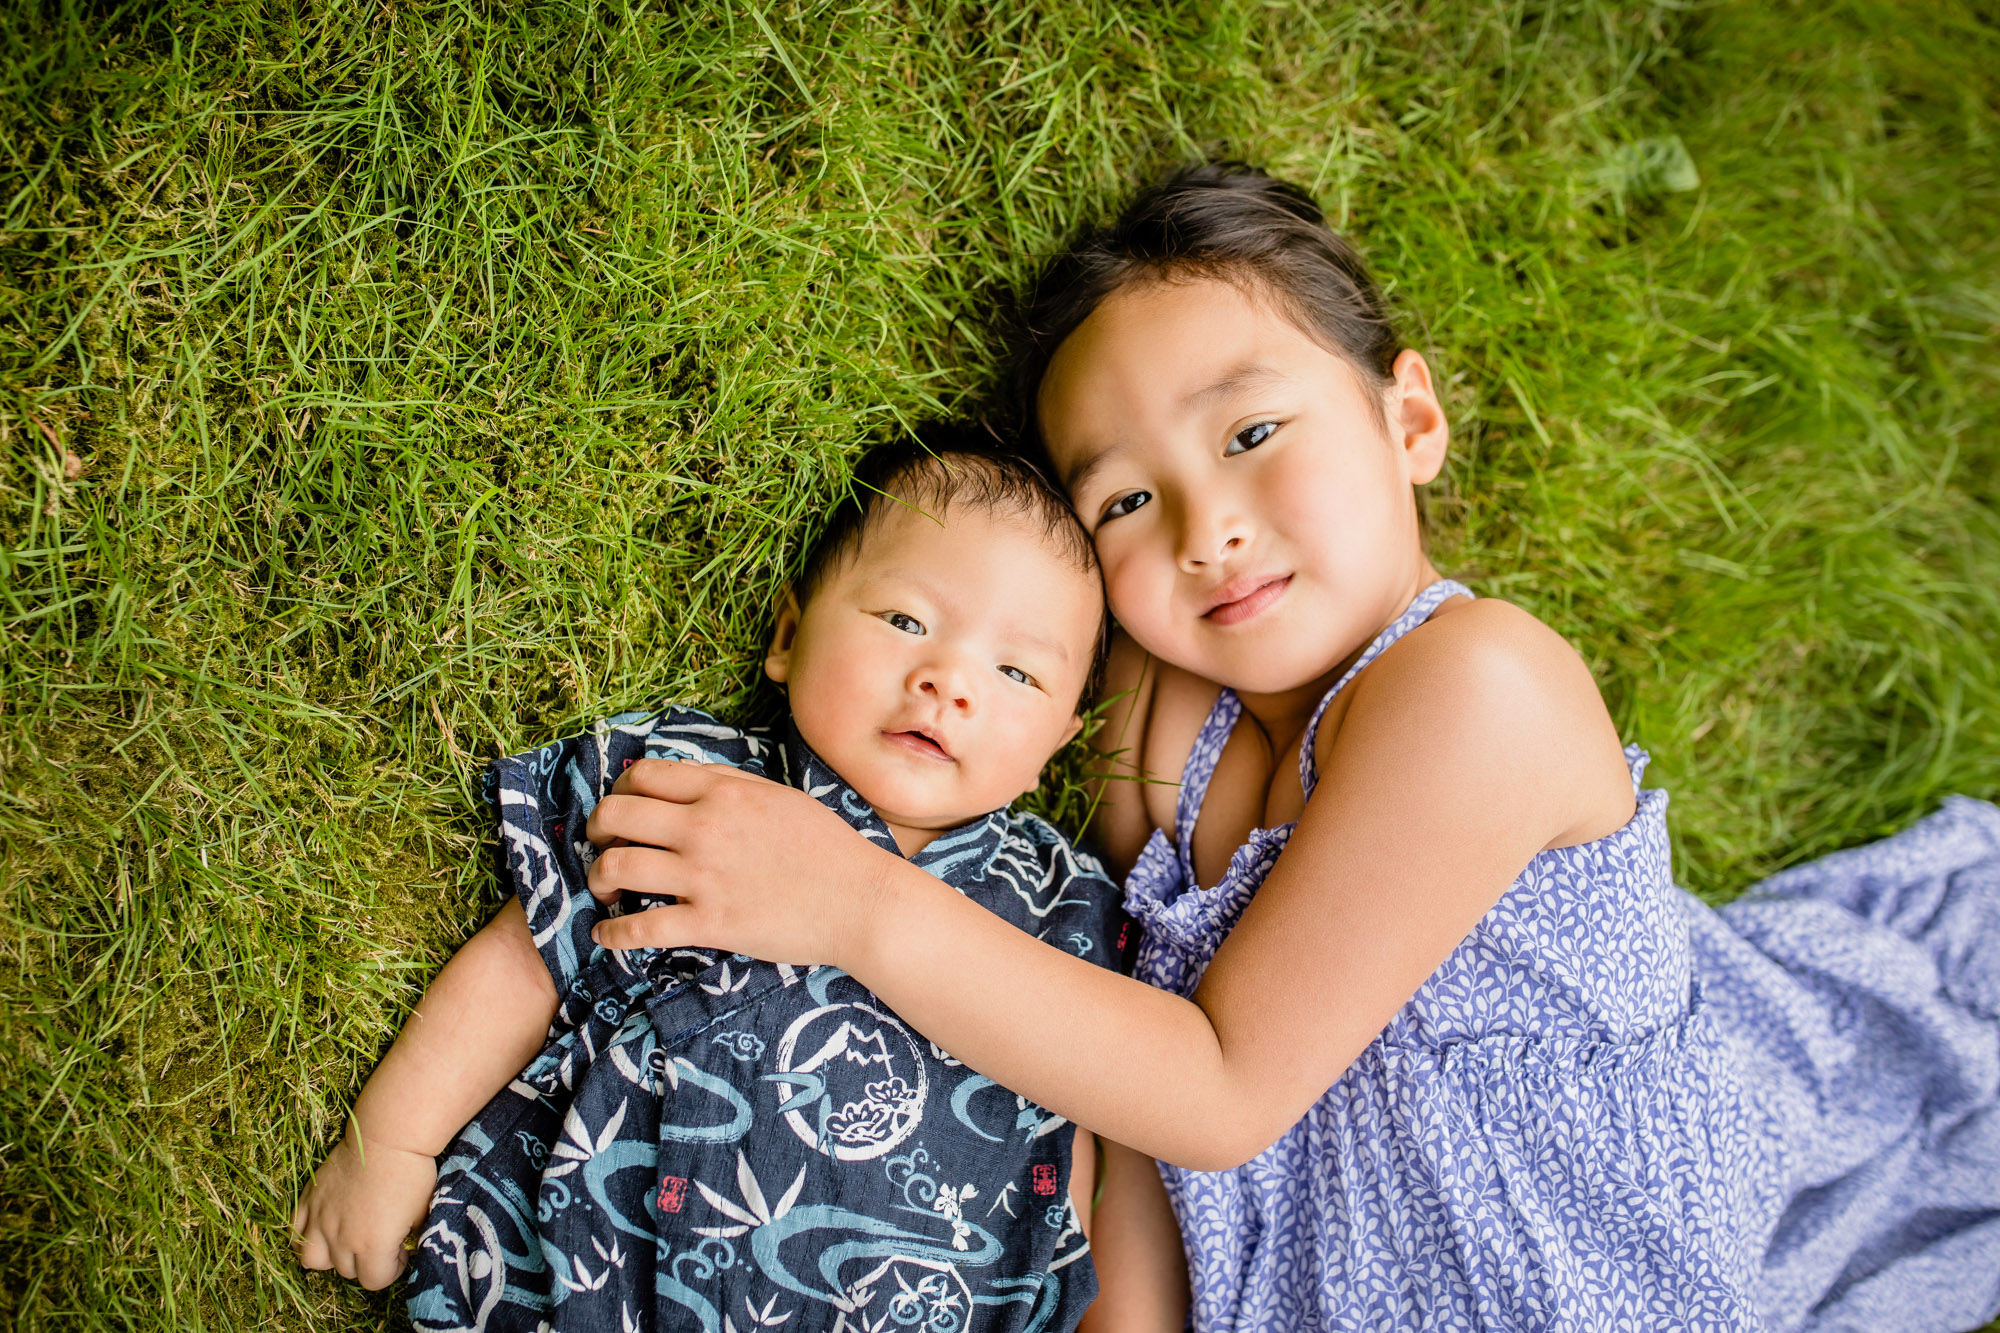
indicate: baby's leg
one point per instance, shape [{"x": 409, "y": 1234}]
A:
[
  {"x": 1083, "y": 1176},
  {"x": 1142, "y": 1284}
]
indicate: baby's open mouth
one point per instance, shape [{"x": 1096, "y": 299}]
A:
[{"x": 919, "y": 742}]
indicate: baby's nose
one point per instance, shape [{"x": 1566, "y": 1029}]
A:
[{"x": 948, "y": 686}]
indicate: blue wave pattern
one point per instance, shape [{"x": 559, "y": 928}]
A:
[
  {"x": 1612, "y": 1107},
  {"x": 711, "y": 1142}
]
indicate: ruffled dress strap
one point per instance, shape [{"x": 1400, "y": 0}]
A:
[
  {"x": 1183, "y": 922},
  {"x": 1198, "y": 771},
  {"x": 1427, "y": 601}
]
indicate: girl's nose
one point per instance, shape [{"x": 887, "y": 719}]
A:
[{"x": 1210, "y": 531}]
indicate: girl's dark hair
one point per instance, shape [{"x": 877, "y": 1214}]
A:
[{"x": 1214, "y": 220}]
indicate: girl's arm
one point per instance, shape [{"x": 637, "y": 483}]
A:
[
  {"x": 1142, "y": 1281},
  {"x": 1119, "y": 821},
  {"x": 1135, "y": 1244},
  {"x": 1466, "y": 748},
  {"x": 478, "y": 1025}
]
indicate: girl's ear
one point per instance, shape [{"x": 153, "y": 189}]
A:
[
  {"x": 778, "y": 658},
  {"x": 1416, "y": 419}
]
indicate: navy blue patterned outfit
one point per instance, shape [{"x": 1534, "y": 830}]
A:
[{"x": 711, "y": 1142}]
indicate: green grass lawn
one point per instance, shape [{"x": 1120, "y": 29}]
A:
[{"x": 388, "y": 386}]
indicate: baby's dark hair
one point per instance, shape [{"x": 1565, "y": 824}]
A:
[
  {"x": 941, "y": 466},
  {"x": 1214, "y": 220}
]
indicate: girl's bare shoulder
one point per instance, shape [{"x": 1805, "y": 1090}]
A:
[
  {"x": 1488, "y": 635},
  {"x": 1487, "y": 676},
  {"x": 1467, "y": 643}
]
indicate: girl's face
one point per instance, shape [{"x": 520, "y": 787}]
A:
[{"x": 1248, "y": 493}]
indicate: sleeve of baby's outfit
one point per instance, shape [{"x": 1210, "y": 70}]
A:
[
  {"x": 543, "y": 800},
  {"x": 1088, "y": 918}
]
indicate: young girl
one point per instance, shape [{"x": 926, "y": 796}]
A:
[{"x": 1432, "y": 1040}]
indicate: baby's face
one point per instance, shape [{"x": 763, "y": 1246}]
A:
[{"x": 938, "y": 668}]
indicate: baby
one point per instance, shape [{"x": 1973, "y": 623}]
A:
[{"x": 709, "y": 1141}]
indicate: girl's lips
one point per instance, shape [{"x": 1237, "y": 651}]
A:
[
  {"x": 916, "y": 742},
  {"x": 1246, "y": 599}
]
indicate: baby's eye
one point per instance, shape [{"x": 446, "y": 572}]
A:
[
  {"x": 1249, "y": 438},
  {"x": 1015, "y": 673},
  {"x": 907, "y": 624},
  {"x": 1125, "y": 504}
]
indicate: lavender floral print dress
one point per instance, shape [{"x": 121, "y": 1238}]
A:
[{"x": 1613, "y": 1108}]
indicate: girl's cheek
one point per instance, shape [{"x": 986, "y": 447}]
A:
[{"x": 1136, "y": 600}]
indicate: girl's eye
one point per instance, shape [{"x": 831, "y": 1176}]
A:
[
  {"x": 1015, "y": 673},
  {"x": 1125, "y": 504},
  {"x": 1249, "y": 438},
  {"x": 907, "y": 624}
]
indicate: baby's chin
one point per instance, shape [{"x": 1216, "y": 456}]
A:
[
  {"x": 910, "y": 805},
  {"x": 931, "y": 817},
  {"x": 914, "y": 793}
]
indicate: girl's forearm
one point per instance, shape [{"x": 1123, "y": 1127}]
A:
[
  {"x": 1174, "y": 1098},
  {"x": 480, "y": 1022}
]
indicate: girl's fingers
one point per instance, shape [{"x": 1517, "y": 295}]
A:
[
  {"x": 675, "y": 780},
  {"x": 658, "y": 928},
  {"x": 640, "y": 869},
  {"x": 343, "y": 1263},
  {"x": 649, "y": 802},
  {"x": 660, "y": 784},
  {"x": 632, "y": 817}
]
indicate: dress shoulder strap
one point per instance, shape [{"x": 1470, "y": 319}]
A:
[
  {"x": 1198, "y": 770},
  {"x": 1427, "y": 601}
]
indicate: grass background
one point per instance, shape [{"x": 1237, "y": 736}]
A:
[{"x": 386, "y": 386}]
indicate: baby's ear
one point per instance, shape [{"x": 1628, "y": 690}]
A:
[
  {"x": 1069, "y": 734},
  {"x": 778, "y": 658}
]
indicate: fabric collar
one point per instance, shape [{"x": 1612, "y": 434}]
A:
[{"x": 956, "y": 856}]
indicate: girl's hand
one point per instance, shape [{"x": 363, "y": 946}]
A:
[
  {"x": 360, "y": 1208},
  {"x": 756, "y": 867}
]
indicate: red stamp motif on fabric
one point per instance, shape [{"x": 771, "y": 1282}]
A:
[
  {"x": 1045, "y": 1179},
  {"x": 673, "y": 1193}
]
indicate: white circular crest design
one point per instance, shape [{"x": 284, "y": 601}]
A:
[{"x": 869, "y": 1076}]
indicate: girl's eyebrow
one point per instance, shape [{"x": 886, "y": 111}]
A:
[
  {"x": 1244, "y": 375},
  {"x": 1074, "y": 482},
  {"x": 1247, "y": 375}
]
